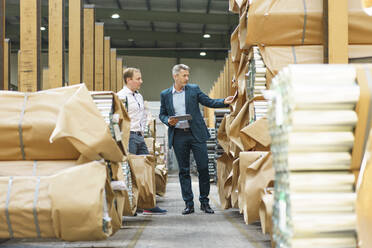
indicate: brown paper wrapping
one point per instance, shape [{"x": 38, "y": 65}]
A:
[
  {"x": 240, "y": 86},
  {"x": 282, "y": 23},
  {"x": 239, "y": 122},
  {"x": 61, "y": 198},
  {"x": 222, "y": 137},
  {"x": 266, "y": 212},
  {"x": 143, "y": 167},
  {"x": 58, "y": 124},
  {"x": 278, "y": 57},
  {"x": 33, "y": 169},
  {"x": 256, "y": 172},
  {"x": 224, "y": 168},
  {"x": 161, "y": 178},
  {"x": 256, "y": 136},
  {"x": 124, "y": 120},
  {"x": 150, "y": 144},
  {"x": 234, "y": 184},
  {"x": 235, "y": 47},
  {"x": 364, "y": 200}
]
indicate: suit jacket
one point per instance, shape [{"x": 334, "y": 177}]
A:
[{"x": 193, "y": 96}]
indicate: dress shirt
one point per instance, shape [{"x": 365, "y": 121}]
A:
[
  {"x": 135, "y": 108},
  {"x": 179, "y": 106}
]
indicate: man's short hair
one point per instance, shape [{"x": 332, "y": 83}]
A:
[
  {"x": 177, "y": 68},
  {"x": 129, "y": 72}
]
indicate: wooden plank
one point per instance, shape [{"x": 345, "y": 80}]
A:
[
  {"x": 89, "y": 28},
  {"x": 46, "y": 84},
  {"x": 338, "y": 31},
  {"x": 107, "y": 63},
  {"x": 99, "y": 57},
  {"x": 7, "y": 47},
  {"x": 2, "y": 48},
  {"x": 113, "y": 70},
  {"x": 30, "y": 44},
  {"x": 119, "y": 73},
  {"x": 75, "y": 47},
  {"x": 325, "y": 32},
  {"x": 56, "y": 43}
]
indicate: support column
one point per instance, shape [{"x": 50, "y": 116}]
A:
[
  {"x": 30, "y": 44},
  {"x": 99, "y": 56},
  {"x": 56, "y": 43},
  {"x": 75, "y": 48},
  {"x": 107, "y": 63},
  {"x": 89, "y": 38},
  {"x": 113, "y": 70}
]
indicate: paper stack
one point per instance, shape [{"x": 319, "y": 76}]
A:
[
  {"x": 219, "y": 115},
  {"x": 211, "y": 146},
  {"x": 256, "y": 81},
  {"x": 312, "y": 118}
]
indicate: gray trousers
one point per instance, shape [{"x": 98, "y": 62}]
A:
[{"x": 137, "y": 145}]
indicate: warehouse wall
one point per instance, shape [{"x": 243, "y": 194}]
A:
[{"x": 156, "y": 72}]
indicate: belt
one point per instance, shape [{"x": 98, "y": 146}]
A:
[
  {"x": 136, "y": 132},
  {"x": 183, "y": 129}
]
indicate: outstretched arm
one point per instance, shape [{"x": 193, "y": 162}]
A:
[{"x": 212, "y": 103}]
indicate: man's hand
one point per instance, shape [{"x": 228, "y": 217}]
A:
[
  {"x": 228, "y": 100},
  {"x": 172, "y": 121}
]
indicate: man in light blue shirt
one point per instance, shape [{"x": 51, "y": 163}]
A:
[{"x": 184, "y": 136}]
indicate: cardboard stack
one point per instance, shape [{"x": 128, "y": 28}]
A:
[
  {"x": 59, "y": 167},
  {"x": 318, "y": 137}
]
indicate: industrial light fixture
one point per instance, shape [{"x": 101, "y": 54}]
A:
[
  {"x": 42, "y": 28},
  {"x": 115, "y": 16},
  {"x": 130, "y": 39},
  {"x": 203, "y": 54},
  {"x": 206, "y": 36}
]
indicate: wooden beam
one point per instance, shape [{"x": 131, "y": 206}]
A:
[
  {"x": 7, "y": 48},
  {"x": 56, "y": 43},
  {"x": 30, "y": 18},
  {"x": 75, "y": 58},
  {"x": 113, "y": 70},
  {"x": 325, "y": 32},
  {"x": 2, "y": 37},
  {"x": 89, "y": 38},
  {"x": 46, "y": 84},
  {"x": 119, "y": 72},
  {"x": 99, "y": 57},
  {"x": 107, "y": 63},
  {"x": 338, "y": 38}
]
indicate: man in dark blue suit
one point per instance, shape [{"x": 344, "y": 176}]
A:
[{"x": 180, "y": 99}]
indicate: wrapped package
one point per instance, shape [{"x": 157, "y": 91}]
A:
[
  {"x": 224, "y": 168},
  {"x": 293, "y": 22},
  {"x": 256, "y": 136},
  {"x": 57, "y": 124},
  {"x": 143, "y": 170},
  {"x": 234, "y": 184},
  {"x": 278, "y": 57},
  {"x": 266, "y": 212},
  {"x": 256, "y": 172},
  {"x": 71, "y": 204},
  {"x": 150, "y": 145},
  {"x": 131, "y": 194},
  {"x": 115, "y": 115},
  {"x": 161, "y": 178}
]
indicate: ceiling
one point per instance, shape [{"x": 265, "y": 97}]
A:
[{"x": 161, "y": 28}]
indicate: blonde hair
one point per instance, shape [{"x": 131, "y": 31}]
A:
[{"x": 128, "y": 73}]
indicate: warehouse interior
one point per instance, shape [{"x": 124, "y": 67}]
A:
[{"x": 276, "y": 103}]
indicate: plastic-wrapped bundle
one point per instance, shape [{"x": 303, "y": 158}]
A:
[{"x": 312, "y": 118}]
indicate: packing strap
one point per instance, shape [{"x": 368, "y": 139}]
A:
[
  {"x": 36, "y": 196},
  {"x": 305, "y": 20},
  {"x": 20, "y": 131},
  {"x": 10, "y": 229}
]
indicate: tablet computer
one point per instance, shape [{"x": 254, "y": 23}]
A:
[{"x": 182, "y": 117}]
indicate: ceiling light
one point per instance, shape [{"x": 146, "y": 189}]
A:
[
  {"x": 115, "y": 16},
  {"x": 130, "y": 40},
  {"x": 207, "y": 36},
  {"x": 367, "y": 6},
  {"x": 203, "y": 54},
  {"x": 42, "y": 28}
]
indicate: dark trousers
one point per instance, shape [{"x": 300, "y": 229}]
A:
[{"x": 183, "y": 142}]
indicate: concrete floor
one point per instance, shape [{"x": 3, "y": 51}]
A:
[{"x": 223, "y": 229}]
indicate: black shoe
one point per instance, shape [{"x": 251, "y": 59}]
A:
[
  {"x": 206, "y": 208},
  {"x": 188, "y": 210}
]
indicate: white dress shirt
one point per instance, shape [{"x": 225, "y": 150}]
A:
[{"x": 135, "y": 108}]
